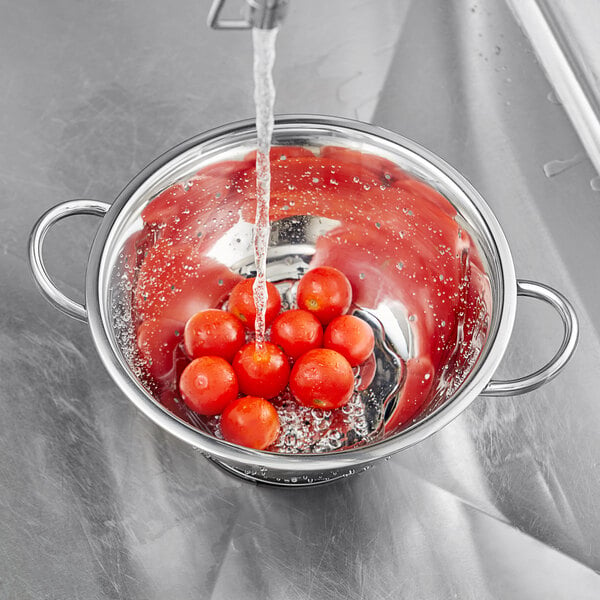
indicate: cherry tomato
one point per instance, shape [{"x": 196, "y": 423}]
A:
[
  {"x": 322, "y": 378},
  {"x": 241, "y": 303},
  {"x": 250, "y": 421},
  {"x": 262, "y": 369},
  {"x": 214, "y": 332},
  {"x": 297, "y": 332},
  {"x": 351, "y": 337},
  {"x": 325, "y": 292},
  {"x": 157, "y": 340},
  {"x": 208, "y": 384}
]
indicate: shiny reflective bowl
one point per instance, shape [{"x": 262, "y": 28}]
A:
[{"x": 473, "y": 349}]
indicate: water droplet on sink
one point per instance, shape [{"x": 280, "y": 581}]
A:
[
  {"x": 556, "y": 167},
  {"x": 553, "y": 98}
]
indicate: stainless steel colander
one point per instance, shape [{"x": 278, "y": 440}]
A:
[{"x": 473, "y": 351}]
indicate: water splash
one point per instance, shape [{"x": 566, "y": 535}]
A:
[{"x": 264, "y": 99}]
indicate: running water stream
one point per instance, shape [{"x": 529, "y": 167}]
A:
[{"x": 264, "y": 98}]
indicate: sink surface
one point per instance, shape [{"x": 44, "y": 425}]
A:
[{"x": 96, "y": 502}]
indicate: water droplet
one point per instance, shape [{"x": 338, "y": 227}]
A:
[
  {"x": 555, "y": 167},
  {"x": 553, "y": 98}
]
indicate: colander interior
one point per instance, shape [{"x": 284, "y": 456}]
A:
[{"x": 406, "y": 230}]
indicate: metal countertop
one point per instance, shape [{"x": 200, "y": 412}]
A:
[{"x": 98, "y": 503}]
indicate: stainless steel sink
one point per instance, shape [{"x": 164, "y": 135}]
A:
[{"x": 96, "y": 502}]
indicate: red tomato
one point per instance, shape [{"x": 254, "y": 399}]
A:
[
  {"x": 208, "y": 384},
  {"x": 351, "y": 337},
  {"x": 262, "y": 369},
  {"x": 250, "y": 421},
  {"x": 322, "y": 378},
  {"x": 297, "y": 332},
  {"x": 325, "y": 292},
  {"x": 214, "y": 332},
  {"x": 241, "y": 303},
  {"x": 157, "y": 340}
]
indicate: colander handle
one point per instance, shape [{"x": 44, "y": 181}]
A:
[
  {"x": 36, "y": 260},
  {"x": 553, "y": 367}
]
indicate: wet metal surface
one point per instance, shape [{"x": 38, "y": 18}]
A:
[{"x": 97, "y": 502}]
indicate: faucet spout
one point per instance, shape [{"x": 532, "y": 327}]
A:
[{"x": 261, "y": 14}]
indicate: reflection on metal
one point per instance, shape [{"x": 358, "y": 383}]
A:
[{"x": 566, "y": 66}]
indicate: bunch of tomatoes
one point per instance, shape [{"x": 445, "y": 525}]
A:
[{"x": 311, "y": 350}]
